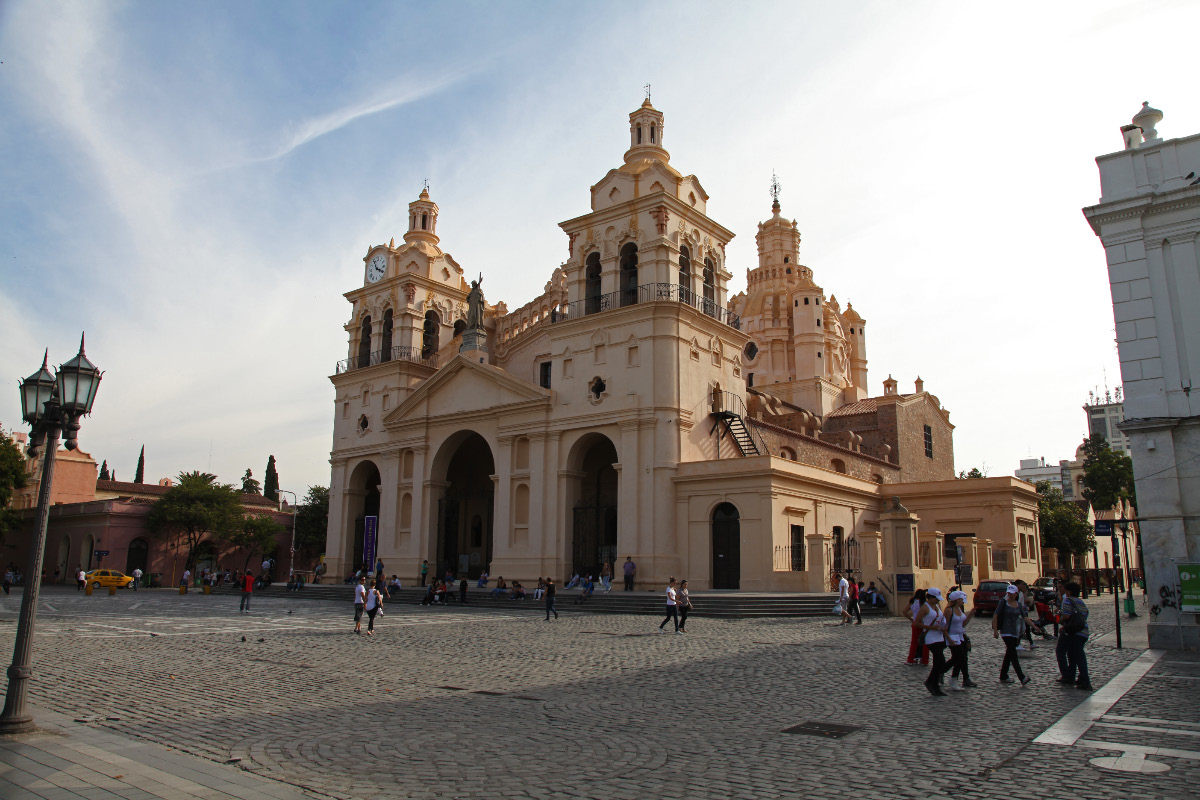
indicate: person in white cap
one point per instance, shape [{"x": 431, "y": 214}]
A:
[
  {"x": 957, "y": 618},
  {"x": 933, "y": 623},
  {"x": 1006, "y": 625}
]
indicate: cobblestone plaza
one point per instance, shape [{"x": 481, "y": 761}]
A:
[{"x": 493, "y": 701}]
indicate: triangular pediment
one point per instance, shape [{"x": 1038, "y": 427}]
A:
[{"x": 465, "y": 386}]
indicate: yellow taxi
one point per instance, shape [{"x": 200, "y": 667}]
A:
[{"x": 108, "y": 577}]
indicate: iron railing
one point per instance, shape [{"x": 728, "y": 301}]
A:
[
  {"x": 728, "y": 402},
  {"x": 646, "y": 293},
  {"x": 789, "y": 558},
  {"x": 398, "y": 353}
]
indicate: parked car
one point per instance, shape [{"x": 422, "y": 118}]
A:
[
  {"x": 108, "y": 577},
  {"x": 988, "y": 596},
  {"x": 1044, "y": 589}
]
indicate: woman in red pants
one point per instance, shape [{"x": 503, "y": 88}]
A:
[{"x": 918, "y": 599}]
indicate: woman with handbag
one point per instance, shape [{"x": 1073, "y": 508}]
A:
[
  {"x": 960, "y": 644},
  {"x": 933, "y": 627},
  {"x": 1006, "y": 625},
  {"x": 685, "y": 604},
  {"x": 1072, "y": 660},
  {"x": 915, "y": 647}
]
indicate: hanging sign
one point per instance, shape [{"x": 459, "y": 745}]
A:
[{"x": 370, "y": 537}]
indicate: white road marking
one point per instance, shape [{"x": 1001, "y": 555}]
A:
[
  {"x": 263, "y": 626},
  {"x": 1075, "y": 723},
  {"x": 1150, "y": 728},
  {"x": 1151, "y": 720},
  {"x": 1138, "y": 749}
]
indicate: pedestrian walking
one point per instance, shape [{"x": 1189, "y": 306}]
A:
[
  {"x": 843, "y": 597},
  {"x": 462, "y": 591},
  {"x": 854, "y": 608},
  {"x": 684, "y": 602},
  {"x": 80, "y": 579},
  {"x": 186, "y": 580},
  {"x": 606, "y": 576},
  {"x": 424, "y": 571},
  {"x": 8, "y": 580},
  {"x": 1006, "y": 625},
  {"x": 379, "y": 569},
  {"x": 672, "y": 607},
  {"x": 137, "y": 577},
  {"x": 933, "y": 625},
  {"x": 915, "y": 646},
  {"x": 630, "y": 568},
  {"x": 1072, "y": 659},
  {"x": 1027, "y": 606},
  {"x": 247, "y": 590},
  {"x": 373, "y": 601},
  {"x": 550, "y": 599},
  {"x": 360, "y": 600},
  {"x": 957, "y": 618}
]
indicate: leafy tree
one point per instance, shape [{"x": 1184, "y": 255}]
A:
[
  {"x": 255, "y": 533},
  {"x": 12, "y": 477},
  {"x": 974, "y": 472},
  {"x": 104, "y": 471},
  {"x": 249, "y": 484},
  {"x": 271, "y": 481},
  {"x": 312, "y": 521},
  {"x": 140, "y": 475},
  {"x": 1064, "y": 525},
  {"x": 1107, "y": 474},
  {"x": 196, "y": 509}
]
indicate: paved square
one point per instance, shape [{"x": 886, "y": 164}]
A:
[{"x": 494, "y": 701}]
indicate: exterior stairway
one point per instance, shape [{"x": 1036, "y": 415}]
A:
[{"x": 727, "y": 604}]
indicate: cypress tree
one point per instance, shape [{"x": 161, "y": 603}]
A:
[
  {"x": 104, "y": 471},
  {"x": 141, "y": 467},
  {"x": 271, "y": 481}
]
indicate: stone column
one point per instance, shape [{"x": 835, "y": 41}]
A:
[
  {"x": 335, "y": 533},
  {"x": 818, "y": 561},
  {"x": 389, "y": 508}
]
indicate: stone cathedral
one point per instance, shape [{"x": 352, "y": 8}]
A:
[{"x": 636, "y": 409}]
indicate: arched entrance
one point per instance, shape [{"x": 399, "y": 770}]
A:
[
  {"x": 594, "y": 521},
  {"x": 727, "y": 547},
  {"x": 87, "y": 552},
  {"x": 138, "y": 556},
  {"x": 464, "y": 520},
  {"x": 362, "y": 499},
  {"x": 64, "y": 558}
]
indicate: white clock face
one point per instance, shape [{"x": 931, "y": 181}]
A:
[{"x": 376, "y": 268}]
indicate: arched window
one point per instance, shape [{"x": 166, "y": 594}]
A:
[
  {"x": 460, "y": 325},
  {"x": 412, "y": 221},
  {"x": 685, "y": 275},
  {"x": 629, "y": 274},
  {"x": 364, "y": 343},
  {"x": 591, "y": 285},
  {"x": 838, "y": 465},
  {"x": 787, "y": 453},
  {"x": 651, "y": 134},
  {"x": 429, "y": 339},
  {"x": 710, "y": 288},
  {"x": 386, "y": 348},
  {"x": 639, "y": 134},
  {"x": 424, "y": 222},
  {"x": 521, "y": 505}
]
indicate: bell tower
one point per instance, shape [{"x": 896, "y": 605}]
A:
[
  {"x": 645, "y": 135},
  {"x": 422, "y": 219}
]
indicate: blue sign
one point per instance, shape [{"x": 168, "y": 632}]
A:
[
  {"x": 1106, "y": 527},
  {"x": 904, "y": 584},
  {"x": 100, "y": 553},
  {"x": 370, "y": 537}
]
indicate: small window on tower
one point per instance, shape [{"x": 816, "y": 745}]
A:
[
  {"x": 806, "y": 301},
  {"x": 818, "y": 322},
  {"x": 639, "y": 134},
  {"x": 424, "y": 222},
  {"x": 785, "y": 260},
  {"x": 651, "y": 134},
  {"x": 544, "y": 377},
  {"x": 928, "y": 442}
]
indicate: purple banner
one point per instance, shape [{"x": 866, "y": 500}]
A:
[{"x": 370, "y": 536}]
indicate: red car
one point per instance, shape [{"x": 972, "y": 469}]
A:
[{"x": 988, "y": 596}]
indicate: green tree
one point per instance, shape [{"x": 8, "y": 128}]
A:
[
  {"x": 104, "y": 471},
  {"x": 271, "y": 481},
  {"x": 1107, "y": 474},
  {"x": 140, "y": 475},
  {"x": 196, "y": 509},
  {"x": 974, "y": 472},
  {"x": 249, "y": 484},
  {"x": 12, "y": 477},
  {"x": 255, "y": 533},
  {"x": 1064, "y": 526},
  {"x": 312, "y": 521}
]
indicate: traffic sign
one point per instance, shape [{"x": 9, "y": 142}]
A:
[
  {"x": 1106, "y": 527},
  {"x": 100, "y": 553}
]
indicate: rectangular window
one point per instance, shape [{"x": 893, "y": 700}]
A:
[
  {"x": 1000, "y": 560},
  {"x": 797, "y": 548},
  {"x": 749, "y": 379},
  {"x": 544, "y": 378},
  {"x": 928, "y": 442}
]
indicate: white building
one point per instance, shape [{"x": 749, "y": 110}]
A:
[
  {"x": 1036, "y": 469},
  {"x": 1148, "y": 219},
  {"x": 1104, "y": 416}
]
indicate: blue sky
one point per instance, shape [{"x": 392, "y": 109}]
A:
[{"x": 195, "y": 184}]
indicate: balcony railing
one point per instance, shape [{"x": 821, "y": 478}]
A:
[
  {"x": 647, "y": 293},
  {"x": 399, "y": 353}
]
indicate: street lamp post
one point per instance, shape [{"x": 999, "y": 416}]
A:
[
  {"x": 52, "y": 406},
  {"x": 292, "y": 557}
]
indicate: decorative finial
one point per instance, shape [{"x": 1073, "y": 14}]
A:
[
  {"x": 82, "y": 335},
  {"x": 775, "y": 187},
  {"x": 425, "y": 185},
  {"x": 647, "y": 88}
]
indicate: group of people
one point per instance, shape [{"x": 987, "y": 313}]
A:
[
  {"x": 679, "y": 604},
  {"x": 934, "y": 628}
]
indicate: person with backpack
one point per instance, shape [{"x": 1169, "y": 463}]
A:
[
  {"x": 1006, "y": 625},
  {"x": 1072, "y": 660}
]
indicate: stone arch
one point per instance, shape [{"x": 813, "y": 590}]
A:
[
  {"x": 137, "y": 556},
  {"x": 461, "y": 472},
  {"x": 87, "y": 552},
  {"x": 362, "y": 495},
  {"x": 64, "y": 558},
  {"x": 593, "y": 490},
  {"x": 726, "y": 547}
]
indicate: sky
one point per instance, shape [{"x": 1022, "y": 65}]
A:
[{"x": 195, "y": 186}]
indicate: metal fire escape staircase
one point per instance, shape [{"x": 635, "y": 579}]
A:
[{"x": 730, "y": 414}]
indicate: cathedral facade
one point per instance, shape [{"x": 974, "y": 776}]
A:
[{"x": 636, "y": 409}]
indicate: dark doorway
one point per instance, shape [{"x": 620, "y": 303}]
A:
[
  {"x": 138, "y": 556},
  {"x": 594, "y": 540},
  {"x": 591, "y": 291},
  {"x": 727, "y": 547},
  {"x": 464, "y": 533},
  {"x": 364, "y": 486},
  {"x": 629, "y": 274}
]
